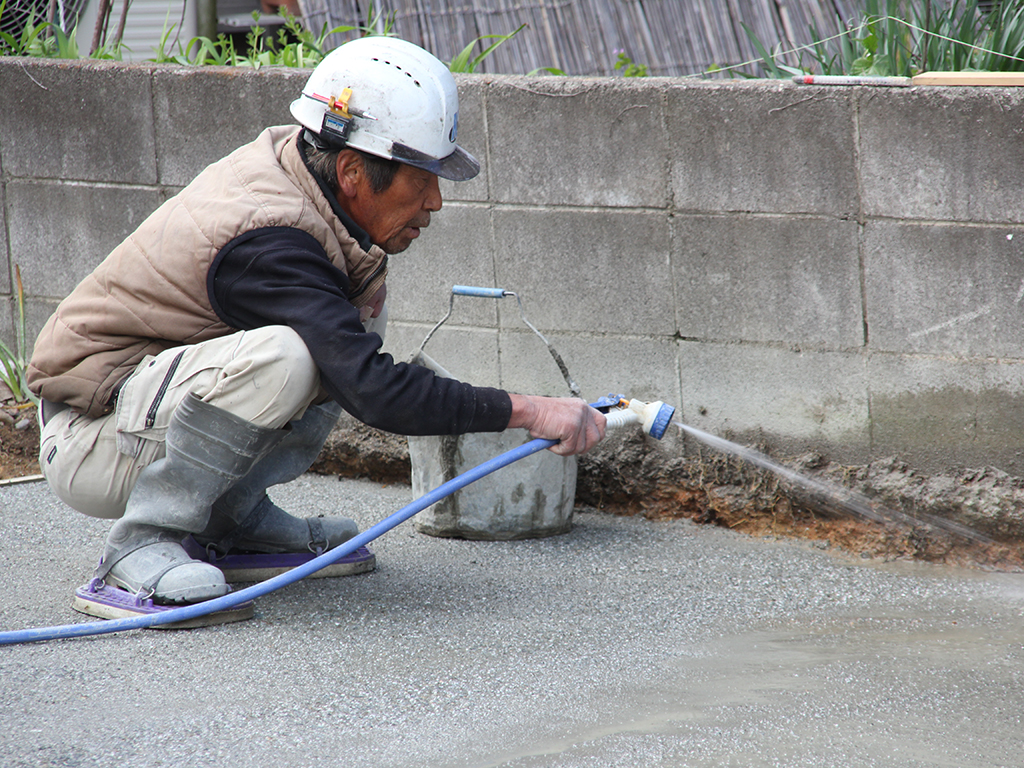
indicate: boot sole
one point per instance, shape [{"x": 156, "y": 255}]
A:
[
  {"x": 234, "y": 575},
  {"x": 107, "y": 602},
  {"x": 260, "y": 567}
]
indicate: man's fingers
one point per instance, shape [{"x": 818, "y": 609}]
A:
[
  {"x": 572, "y": 422},
  {"x": 582, "y": 429}
]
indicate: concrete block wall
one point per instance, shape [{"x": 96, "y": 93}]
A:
[{"x": 838, "y": 269}]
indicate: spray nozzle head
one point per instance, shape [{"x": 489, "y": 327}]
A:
[{"x": 654, "y": 418}]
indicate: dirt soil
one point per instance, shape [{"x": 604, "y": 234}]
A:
[
  {"x": 884, "y": 510},
  {"x": 19, "y": 440}
]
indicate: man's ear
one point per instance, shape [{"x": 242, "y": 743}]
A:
[{"x": 349, "y": 167}]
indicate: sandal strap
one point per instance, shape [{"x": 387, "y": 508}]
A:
[
  {"x": 142, "y": 539},
  {"x": 318, "y": 541},
  {"x": 149, "y": 585}
]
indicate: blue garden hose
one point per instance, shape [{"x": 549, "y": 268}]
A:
[{"x": 233, "y": 599}]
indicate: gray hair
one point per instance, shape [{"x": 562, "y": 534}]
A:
[{"x": 379, "y": 171}]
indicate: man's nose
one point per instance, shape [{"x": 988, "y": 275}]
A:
[{"x": 433, "y": 201}]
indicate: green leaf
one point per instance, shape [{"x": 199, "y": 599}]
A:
[
  {"x": 549, "y": 70},
  {"x": 770, "y": 66},
  {"x": 463, "y": 63},
  {"x": 871, "y": 43},
  {"x": 862, "y": 65}
]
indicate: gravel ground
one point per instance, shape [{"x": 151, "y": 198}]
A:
[{"x": 623, "y": 643}]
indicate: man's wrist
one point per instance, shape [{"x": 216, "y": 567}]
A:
[{"x": 524, "y": 411}]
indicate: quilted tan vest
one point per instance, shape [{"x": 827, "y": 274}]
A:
[{"x": 150, "y": 293}]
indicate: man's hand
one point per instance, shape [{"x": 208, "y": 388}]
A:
[{"x": 572, "y": 422}]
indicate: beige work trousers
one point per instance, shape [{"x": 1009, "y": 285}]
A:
[{"x": 265, "y": 376}]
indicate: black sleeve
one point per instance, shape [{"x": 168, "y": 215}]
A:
[{"x": 282, "y": 276}]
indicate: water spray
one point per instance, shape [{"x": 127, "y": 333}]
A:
[
  {"x": 850, "y": 501},
  {"x": 655, "y": 418}
]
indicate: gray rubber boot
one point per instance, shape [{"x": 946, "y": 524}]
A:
[
  {"x": 245, "y": 519},
  {"x": 208, "y": 450}
]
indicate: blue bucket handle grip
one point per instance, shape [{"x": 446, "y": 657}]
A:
[{"x": 483, "y": 293}]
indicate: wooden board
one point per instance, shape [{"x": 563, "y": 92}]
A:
[{"x": 969, "y": 78}]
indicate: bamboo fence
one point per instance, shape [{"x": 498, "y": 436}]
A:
[{"x": 584, "y": 37}]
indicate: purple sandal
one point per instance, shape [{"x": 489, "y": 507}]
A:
[
  {"x": 257, "y": 566},
  {"x": 99, "y": 599}
]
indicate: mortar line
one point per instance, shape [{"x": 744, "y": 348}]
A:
[
  {"x": 960, "y": 223},
  {"x": 861, "y": 218},
  {"x": 774, "y": 344},
  {"x": 487, "y": 142},
  {"x": 862, "y": 270},
  {"x": 670, "y": 209},
  {"x": 859, "y": 214},
  {"x": 153, "y": 121},
  {"x": 498, "y": 330},
  {"x": 10, "y": 259},
  {"x": 491, "y": 233},
  {"x": 88, "y": 183}
]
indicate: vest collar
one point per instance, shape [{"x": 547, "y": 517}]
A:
[
  {"x": 365, "y": 263},
  {"x": 354, "y": 229}
]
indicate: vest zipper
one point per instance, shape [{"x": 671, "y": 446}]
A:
[{"x": 151, "y": 414}]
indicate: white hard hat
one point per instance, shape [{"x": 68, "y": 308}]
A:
[{"x": 389, "y": 98}]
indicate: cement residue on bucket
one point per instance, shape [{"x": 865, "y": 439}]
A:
[{"x": 533, "y": 498}]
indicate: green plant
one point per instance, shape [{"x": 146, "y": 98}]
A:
[
  {"x": 42, "y": 39},
  {"x": 13, "y": 363},
  {"x": 628, "y": 67},
  {"x": 28, "y": 43},
  {"x": 293, "y": 46},
  {"x": 466, "y": 62},
  {"x": 198, "y": 51},
  {"x": 906, "y": 37},
  {"x": 1004, "y": 49},
  {"x": 769, "y": 61},
  {"x": 46, "y": 40}
]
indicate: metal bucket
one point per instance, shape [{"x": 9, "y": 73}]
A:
[{"x": 528, "y": 499}]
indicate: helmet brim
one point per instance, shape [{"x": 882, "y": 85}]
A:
[{"x": 458, "y": 166}]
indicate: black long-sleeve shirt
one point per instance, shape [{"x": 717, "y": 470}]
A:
[{"x": 283, "y": 276}]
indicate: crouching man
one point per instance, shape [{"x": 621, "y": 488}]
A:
[{"x": 208, "y": 356}]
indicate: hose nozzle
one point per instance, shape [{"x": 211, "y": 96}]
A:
[{"x": 653, "y": 418}]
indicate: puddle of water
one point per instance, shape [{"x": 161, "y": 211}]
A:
[
  {"x": 867, "y": 690},
  {"x": 909, "y": 683}
]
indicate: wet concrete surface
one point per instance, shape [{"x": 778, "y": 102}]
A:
[{"x": 623, "y": 643}]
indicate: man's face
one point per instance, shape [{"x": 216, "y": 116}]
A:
[{"x": 393, "y": 218}]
